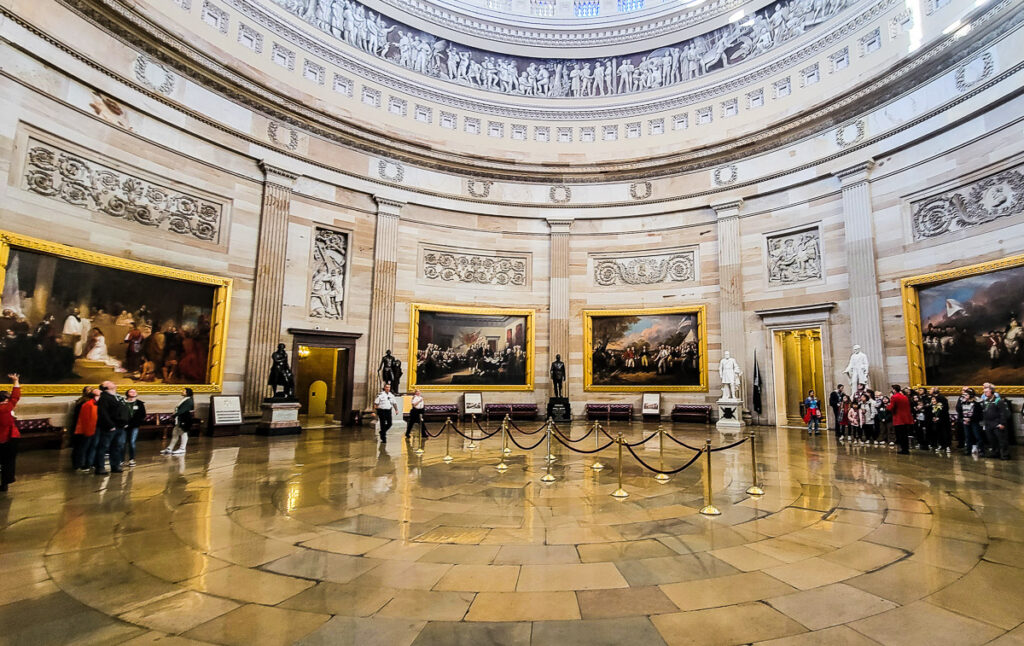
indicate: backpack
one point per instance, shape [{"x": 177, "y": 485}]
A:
[{"x": 123, "y": 416}]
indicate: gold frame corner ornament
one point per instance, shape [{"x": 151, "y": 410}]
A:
[
  {"x": 219, "y": 319},
  {"x": 909, "y": 293},
  {"x": 414, "y": 334},
  {"x": 588, "y": 342}
]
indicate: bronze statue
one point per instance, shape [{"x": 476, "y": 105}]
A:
[
  {"x": 281, "y": 375},
  {"x": 390, "y": 370},
  {"x": 557, "y": 374}
]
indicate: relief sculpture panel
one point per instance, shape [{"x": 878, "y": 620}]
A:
[
  {"x": 794, "y": 256},
  {"x": 483, "y": 268},
  {"x": 671, "y": 267},
  {"x": 990, "y": 198},
  {"x": 327, "y": 290}
]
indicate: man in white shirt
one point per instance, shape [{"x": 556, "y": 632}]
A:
[
  {"x": 386, "y": 404},
  {"x": 416, "y": 414}
]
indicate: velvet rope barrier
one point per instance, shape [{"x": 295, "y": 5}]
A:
[
  {"x": 668, "y": 472},
  {"x": 643, "y": 441},
  {"x": 575, "y": 450}
]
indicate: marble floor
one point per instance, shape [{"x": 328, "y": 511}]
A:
[{"x": 331, "y": 538}]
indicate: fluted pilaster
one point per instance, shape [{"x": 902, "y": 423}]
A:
[
  {"x": 558, "y": 319},
  {"x": 865, "y": 312},
  {"x": 382, "y": 304},
  {"x": 268, "y": 286},
  {"x": 730, "y": 279}
]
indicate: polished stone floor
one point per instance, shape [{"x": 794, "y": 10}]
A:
[{"x": 330, "y": 538}]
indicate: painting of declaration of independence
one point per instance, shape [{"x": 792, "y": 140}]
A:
[
  {"x": 460, "y": 348},
  {"x": 969, "y": 327},
  {"x": 654, "y": 349},
  {"x": 65, "y": 321}
]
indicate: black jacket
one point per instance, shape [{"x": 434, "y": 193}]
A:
[
  {"x": 138, "y": 413},
  {"x": 106, "y": 411},
  {"x": 834, "y": 399},
  {"x": 184, "y": 413},
  {"x": 994, "y": 413}
]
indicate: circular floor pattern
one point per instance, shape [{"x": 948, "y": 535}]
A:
[{"x": 331, "y": 538}]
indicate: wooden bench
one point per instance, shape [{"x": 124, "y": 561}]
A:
[
  {"x": 39, "y": 433},
  {"x": 156, "y": 426},
  {"x": 514, "y": 411},
  {"x": 696, "y": 413},
  {"x": 609, "y": 411},
  {"x": 440, "y": 412}
]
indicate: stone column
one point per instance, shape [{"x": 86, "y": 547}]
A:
[
  {"x": 865, "y": 312},
  {"x": 382, "y": 303},
  {"x": 730, "y": 281},
  {"x": 268, "y": 286},
  {"x": 558, "y": 316}
]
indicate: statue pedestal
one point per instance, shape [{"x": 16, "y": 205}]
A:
[
  {"x": 279, "y": 418},
  {"x": 559, "y": 409},
  {"x": 730, "y": 415}
]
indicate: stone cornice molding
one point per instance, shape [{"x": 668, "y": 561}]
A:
[
  {"x": 855, "y": 175},
  {"x": 277, "y": 175},
  {"x": 388, "y": 207},
  {"x": 559, "y": 225},
  {"x": 730, "y": 209},
  {"x": 796, "y": 315}
]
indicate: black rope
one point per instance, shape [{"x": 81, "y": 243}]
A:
[
  {"x": 643, "y": 441},
  {"x": 666, "y": 472},
  {"x": 429, "y": 434},
  {"x": 575, "y": 450},
  {"x": 526, "y": 448},
  {"x": 569, "y": 439},
  {"x": 729, "y": 446},
  {"x": 484, "y": 431},
  {"x": 474, "y": 439},
  {"x": 516, "y": 426},
  {"x": 682, "y": 443}
]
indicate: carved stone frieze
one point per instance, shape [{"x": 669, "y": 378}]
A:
[
  {"x": 990, "y": 198},
  {"x": 154, "y": 75},
  {"x": 974, "y": 71},
  {"x": 794, "y": 256},
  {"x": 479, "y": 188},
  {"x": 476, "y": 268},
  {"x": 725, "y": 175},
  {"x": 641, "y": 190},
  {"x": 93, "y": 185},
  {"x": 560, "y": 194},
  {"x": 649, "y": 269},
  {"x": 274, "y": 134},
  {"x": 850, "y": 134},
  {"x": 390, "y": 170},
  {"x": 330, "y": 262}
]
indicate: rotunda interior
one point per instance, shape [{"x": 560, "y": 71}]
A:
[{"x": 511, "y": 321}]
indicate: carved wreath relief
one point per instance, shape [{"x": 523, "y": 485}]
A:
[
  {"x": 472, "y": 268},
  {"x": 327, "y": 291},
  {"x": 993, "y": 197},
  {"x": 794, "y": 257},
  {"x": 645, "y": 270},
  {"x": 380, "y": 36},
  {"x": 71, "y": 178}
]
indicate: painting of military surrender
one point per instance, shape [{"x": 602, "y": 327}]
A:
[
  {"x": 458, "y": 348},
  {"x": 971, "y": 329},
  {"x": 64, "y": 321},
  {"x": 660, "y": 349}
]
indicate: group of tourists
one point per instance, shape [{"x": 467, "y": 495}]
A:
[{"x": 978, "y": 423}]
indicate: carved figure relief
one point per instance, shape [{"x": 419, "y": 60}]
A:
[
  {"x": 673, "y": 267},
  {"x": 480, "y": 269},
  {"x": 327, "y": 289},
  {"x": 794, "y": 257},
  {"x": 89, "y": 184},
  {"x": 382, "y": 37},
  {"x": 993, "y": 197}
]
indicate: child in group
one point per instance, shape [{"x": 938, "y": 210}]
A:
[
  {"x": 867, "y": 407},
  {"x": 886, "y": 428},
  {"x": 920, "y": 425},
  {"x": 844, "y": 419},
  {"x": 856, "y": 421}
]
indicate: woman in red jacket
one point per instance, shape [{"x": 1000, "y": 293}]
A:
[
  {"x": 8, "y": 433},
  {"x": 902, "y": 419}
]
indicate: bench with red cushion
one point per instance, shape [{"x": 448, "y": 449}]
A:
[
  {"x": 697, "y": 413},
  {"x": 514, "y": 411},
  {"x": 609, "y": 411},
  {"x": 440, "y": 412},
  {"x": 39, "y": 433}
]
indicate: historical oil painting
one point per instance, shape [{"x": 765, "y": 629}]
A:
[
  {"x": 69, "y": 318},
  {"x": 662, "y": 349},
  {"x": 471, "y": 348},
  {"x": 964, "y": 326}
]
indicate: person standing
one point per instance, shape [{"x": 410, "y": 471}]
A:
[
  {"x": 902, "y": 420},
  {"x": 835, "y": 402},
  {"x": 812, "y": 414},
  {"x": 83, "y": 441},
  {"x": 385, "y": 404},
  {"x": 996, "y": 416},
  {"x": 138, "y": 408},
  {"x": 9, "y": 434},
  {"x": 856, "y": 419},
  {"x": 867, "y": 407},
  {"x": 416, "y": 414},
  {"x": 969, "y": 417},
  {"x": 76, "y": 409},
  {"x": 941, "y": 424},
  {"x": 111, "y": 419},
  {"x": 183, "y": 414}
]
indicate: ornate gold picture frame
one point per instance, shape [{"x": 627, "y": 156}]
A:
[
  {"x": 193, "y": 320},
  {"x": 471, "y": 348},
  {"x": 963, "y": 326},
  {"x": 660, "y": 349}
]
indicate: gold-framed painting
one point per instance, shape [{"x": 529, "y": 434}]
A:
[
  {"x": 71, "y": 318},
  {"x": 963, "y": 326},
  {"x": 655, "y": 349},
  {"x": 471, "y": 348}
]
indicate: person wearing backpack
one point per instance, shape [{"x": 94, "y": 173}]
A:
[
  {"x": 112, "y": 417},
  {"x": 138, "y": 418},
  {"x": 183, "y": 414}
]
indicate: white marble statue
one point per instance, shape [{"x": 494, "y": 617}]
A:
[
  {"x": 730, "y": 373},
  {"x": 857, "y": 369}
]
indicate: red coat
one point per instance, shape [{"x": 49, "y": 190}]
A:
[
  {"x": 8, "y": 429},
  {"x": 900, "y": 407},
  {"x": 86, "y": 419}
]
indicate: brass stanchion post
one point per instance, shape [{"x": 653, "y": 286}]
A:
[
  {"x": 504, "y": 435},
  {"x": 472, "y": 434},
  {"x": 448, "y": 440},
  {"x": 754, "y": 489},
  {"x": 709, "y": 508},
  {"x": 419, "y": 443},
  {"x": 661, "y": 477},
  {"x": 597, "y": 466},
  {"x": 620, "y": 492},
  {"x": 550, "y": 457}
]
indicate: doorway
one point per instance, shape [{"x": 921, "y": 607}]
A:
[
  {"x": 797, "y": 367},
  {"x": 320, "y": 359}
]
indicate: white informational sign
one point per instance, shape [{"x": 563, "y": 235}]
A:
[
  {"x": 285, "y": 415},
  {"x": 473, "y": 403},
  {"x": 227, "y": 409},
  {"x": 651, "y": 404}
]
